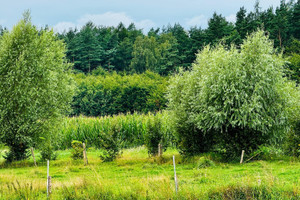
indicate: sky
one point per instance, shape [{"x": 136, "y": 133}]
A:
[{"x": 145, "y": 14}]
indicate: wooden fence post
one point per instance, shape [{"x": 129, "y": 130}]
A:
[
  {"x": 48, "y": 182},
  {"x": 84, "y": 155},
  {"x": 159, "y": 150},
  {"x": 175, "y": 177},
  {"x": 242, "y": 156},
  {"x": 32, "y": 153},
  {"x": 49, "y": 186}
]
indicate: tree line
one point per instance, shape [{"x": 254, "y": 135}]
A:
[{"x": 165, "y": 50}]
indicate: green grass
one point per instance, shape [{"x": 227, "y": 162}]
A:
[{"x": 134, "y": 175}]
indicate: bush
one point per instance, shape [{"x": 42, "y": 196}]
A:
[
  {"x": 77, "y": 152},
  {"x": 154, "y": 136},
  {"x": 205, "y": 163},
  {"x": 235, "y": 98},
  {"x": 110, "y": 145},
  {"x": 110, "y": 94},
  {"x": 48, "y": 153}
]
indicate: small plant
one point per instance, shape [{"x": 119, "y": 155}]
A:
[
  {"x": 48, "y": 153},
  {"x": 154, "y": 136},
  {"x": 47, "y": 150},
  {"x": 77, "y": 152},
  {"x": 205, "y": 163},
  {"x": 110, "y": 146}
]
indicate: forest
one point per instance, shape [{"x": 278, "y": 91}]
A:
[
  {"x": 99, "y": 51},
  {"x": 116, "y": 111}
]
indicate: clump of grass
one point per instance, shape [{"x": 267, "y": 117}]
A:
[
  {"x": 250, "y": 192},
  {"x": 204, "y": 162}
]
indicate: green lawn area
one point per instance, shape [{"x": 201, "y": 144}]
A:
[{"x": 134, "y": 175}]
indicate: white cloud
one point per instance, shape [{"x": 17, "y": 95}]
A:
[
  {"x": 231, "y": 18},
  {"x": 105, "y": 19},
  {"x": 200, "y": 20}
]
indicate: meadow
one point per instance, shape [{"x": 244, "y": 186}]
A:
[{"x": 135, "y": 175}]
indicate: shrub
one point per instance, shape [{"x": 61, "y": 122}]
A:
[
  {"x": 77, "y": 152},
  {"x": 204, "y": 163},
  {"x": 236, "y": 98},
  {"x": 154, "y": 136},
  {"x": 110, "y": 145},
  {"x": 110, "y": 94},
  {"x": 48, "y": 152}
]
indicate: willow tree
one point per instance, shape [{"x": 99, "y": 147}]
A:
[
  {"x": 234, "y": 97},
  {"x": 36, "y": 86}
]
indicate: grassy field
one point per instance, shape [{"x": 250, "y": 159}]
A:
[{"x": 134, "y": 175}]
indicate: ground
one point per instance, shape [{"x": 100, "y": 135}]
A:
[{"x": 134, "y": 175}]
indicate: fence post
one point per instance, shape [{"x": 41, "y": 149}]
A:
[
  {"x": 84, "y": 154},
  {"x": 49, "y": 186},
  {"x": 242, "y": 156},
  {"x": 159, "y": 150},
  {"x": 175, "y": 177},
  {"x": 32, "y": 153},
  {"x": 48, "y": 183}
]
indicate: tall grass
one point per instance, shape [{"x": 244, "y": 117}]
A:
[{"x": 130, "y": 128}]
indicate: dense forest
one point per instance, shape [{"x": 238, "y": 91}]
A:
[
  {"x": 97, "y": 51},
  {"x": 111, "y": 61},
  {"x": 164, "y": 50}
]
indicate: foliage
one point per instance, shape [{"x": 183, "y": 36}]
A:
[
  {"x": 164, "y": 50},
  {"x": 267, "y": 152},
  {"x": 35, "y": 86},
  {"x": 77, "y": 152},
  {"x": 110, "y": 144},
  {"x": 155, "y": 55},
  {"x": 237, "y": 98},
  {"x": 204, "y": 162},
  {"x": 112, "y": 93},
  {"x": 134, "y": 171},
  {"x": 154, "y": 136},
  {"x": 292, "y": 139},
  {"x": 129, "y": 130},
  {"x": 48, "y": 152}
]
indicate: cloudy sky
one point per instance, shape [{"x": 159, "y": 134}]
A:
[{"x": 63, "y": 14}]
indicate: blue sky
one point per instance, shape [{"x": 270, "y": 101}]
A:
[{"x": 63, "y": 14}]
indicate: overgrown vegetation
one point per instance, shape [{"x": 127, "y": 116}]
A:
[
  {"x": 233, "y": 98},
  {"x": 106, "y": 93},
  {"x": 124, "y": 131}
]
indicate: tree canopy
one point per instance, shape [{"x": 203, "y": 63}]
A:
[
  {"x": 234, "y": 97},
  {"x": 36, "y": 87}
]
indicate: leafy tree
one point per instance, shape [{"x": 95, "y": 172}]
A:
[
  {"x": 144, "y": 54},
  {"x": 35, "y": 86},
  {"x": 109, "y": 94},
  {"x": 233, "y": 97}
]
